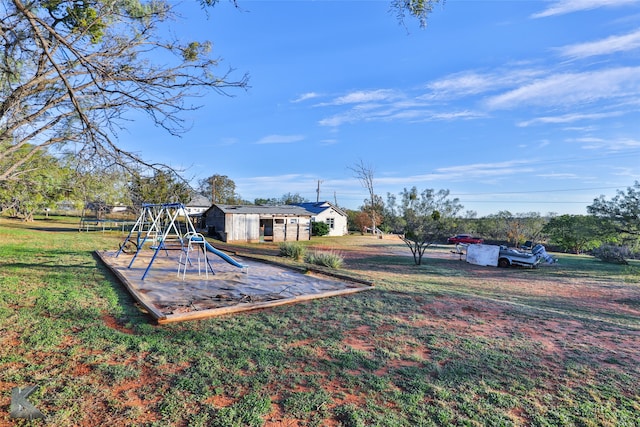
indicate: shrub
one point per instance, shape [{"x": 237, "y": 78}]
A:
[
  {"x": 319, "y": 228},
  {"x": 349, "y": 415},
  {"x": 292, "y": 250},
  {"x": 613, "y": 254},
  {"x": 246, "y": 412},
  {"x": 327, "y": 259}
]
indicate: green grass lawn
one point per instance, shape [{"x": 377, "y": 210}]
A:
[{"x": 444, "y": 343}]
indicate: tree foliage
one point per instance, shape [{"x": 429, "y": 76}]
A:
[
  {"x": 162, "y": 187},
  {"x": 514, "y": 229},
  {"x": 71, "y": 71},
  {"x": 375, "y": 209},
  {"x": 418, "y": 9},
  {"x": 292, "y": 198},
  {"x": 494, "y": 226},
  {"x": 623, "y": 210},
  {"x": 107, "y": 187},
  {"x": 219, "y": 189},
  {"x": 285, "y": 199},
  {"x": 46, "y": 183},
  {"x": 358, "y": 220},
  {"x": 422, "y": 219},
  {"x": 578, "y": 233}
]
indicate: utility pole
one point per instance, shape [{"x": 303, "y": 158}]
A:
[
  {"x": 213, "y": 189},
  {"x": 318, "y": 192}
]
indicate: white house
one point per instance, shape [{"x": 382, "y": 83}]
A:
[
  {"x": 332, "y": 215},
  {"x": 197, "y": 205}
]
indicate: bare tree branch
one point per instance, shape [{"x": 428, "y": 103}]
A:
[
  {"x": 72, "y": 72},
  {"x": 365, "y": 174}
]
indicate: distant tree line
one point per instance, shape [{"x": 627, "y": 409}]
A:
[
  {"x": 54, "y": 181},
  {"x": 423, "y": 218},
  {"x": 420, "y": 217}
]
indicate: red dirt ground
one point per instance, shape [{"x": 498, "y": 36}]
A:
[{"x": 460, "y": 316}]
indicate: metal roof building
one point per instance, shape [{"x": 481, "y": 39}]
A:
[{"x": 255, "y": 223}]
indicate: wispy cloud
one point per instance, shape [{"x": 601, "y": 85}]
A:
[
  {"x": 512, "y": 87},
  {"x": 280, "y": 139},
  {"x": 306, "y": 97},
  {"x": 417, "y": 106},
  {"x": 563, "y": 7},
  {"x": 363, "y": 96},
  {"x": 274, "y": 179},
  {"x": 484, "y": 168},
  {"x": 454, "y": 115},
  {"x": 559, "y": 175},
  {"x": 370, "y": 113},
  {"x": 572, "y": 89},
  {"x": 609, "y": 144},
  {"x": 460, "y": 84},
  {"x": 568, "y": 118},
  {"x": 365, "y": 105},
  {"x": 470, "y": 83},
  {"x": 396, "y": 111},
  {"x": 605, "y": 46},
  {"x": 477, "y": 171},
  {"x": 630, "y": 173},
  {"x": 339, "y": 119}
]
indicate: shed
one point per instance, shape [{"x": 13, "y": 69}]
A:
[
  {"x": 328, "y": 213},
  {"x": 250, "y": 223}
]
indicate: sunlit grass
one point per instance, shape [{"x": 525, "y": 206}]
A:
[{"x": 418, "y": 349}]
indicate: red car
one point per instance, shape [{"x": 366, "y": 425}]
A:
[{"x": 464, "y": 238}]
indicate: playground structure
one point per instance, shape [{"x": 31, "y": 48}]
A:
[
  {"x": 196, "y": 243},
  {"x": 167, "y": 227},
  {"x": 168, "y": 297}
]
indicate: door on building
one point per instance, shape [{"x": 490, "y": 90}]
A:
[{"x": 266, "y": 229}]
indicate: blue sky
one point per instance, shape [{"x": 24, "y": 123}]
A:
[{"x": 525, "y": 106}]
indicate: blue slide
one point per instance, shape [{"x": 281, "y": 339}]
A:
[{"x": 223, "y": 255}]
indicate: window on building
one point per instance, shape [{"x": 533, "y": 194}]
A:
[{"x": 331, "y": 222}]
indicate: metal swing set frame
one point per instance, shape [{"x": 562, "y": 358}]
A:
[{"x": 157, "y": 224}]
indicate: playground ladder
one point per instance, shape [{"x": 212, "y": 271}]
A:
[{"x": 196, "y": 242}]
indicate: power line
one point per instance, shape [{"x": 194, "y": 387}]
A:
[
  {"x": 534, "y": 191},
  {"x": 524, "y": 201}
]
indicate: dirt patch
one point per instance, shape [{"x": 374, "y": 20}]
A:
[
  {"x": 357, "y": 339},
  {"x": 113, "y": 323}
]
